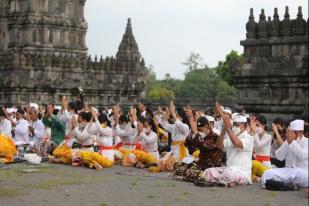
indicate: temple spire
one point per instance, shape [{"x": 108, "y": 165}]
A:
[{"x": 128, "y": 49}]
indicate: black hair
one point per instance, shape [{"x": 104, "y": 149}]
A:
[
  {"x": 103, "y": 119},
  {"x": 262, "y": 119},
  {"x": 149, "y": 113},
  {"x": 80, "y": 102},
  {"x": 2, "y": 113},
  {"x": 149, "y": 121},
  {"x": 181, "y": 112},
  {"x": 123, "y": 118},
  {"x": 305, "y": 117},
  {"x": 85, "y": 116},
  {"x": 55, "y": 111},
  {"x": 280, "y": 121},
  {"x": 20, "y": 111},
  {"x": 73, "y": 106}
]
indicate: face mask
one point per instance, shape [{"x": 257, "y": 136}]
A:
[
  {"x": 147, "y": 130},
  {"x": 258, "y": 130},
  {"x": 202, "y": 134},
  {"x": 236, "y": 130},
  {"x": 122, "y": 126}
]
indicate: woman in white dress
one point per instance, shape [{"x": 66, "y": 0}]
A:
[
  {"x": 104, "y": 136},
  {"x": 148, "y": 136}
]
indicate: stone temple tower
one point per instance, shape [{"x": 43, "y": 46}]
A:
[
  {"x": 274, "y": 77},
  {"x": 43, "y": 56}
]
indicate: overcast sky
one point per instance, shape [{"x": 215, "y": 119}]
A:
[{"x": 167, "y": 31}]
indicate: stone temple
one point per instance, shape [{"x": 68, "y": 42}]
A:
[
  {"x": 274, "y": 77},
  {"x": 43, "y": 56}
]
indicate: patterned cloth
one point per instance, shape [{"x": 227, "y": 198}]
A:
[
  {"x": 210, "y": 155},
  {"x": 225, "y": 175},
  {"x": 187, "y": 172}
]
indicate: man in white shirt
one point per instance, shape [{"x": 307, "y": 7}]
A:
[
  {"x": 295, "y": 152},
  {"x": 36, "y": 127},
  {"x": 239, "y": 148},
  {"x": 5, "y": 125},
  {"x": 21, "y": 132}
]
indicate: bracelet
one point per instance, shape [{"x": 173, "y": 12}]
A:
[{"x": 229, "y": 130}]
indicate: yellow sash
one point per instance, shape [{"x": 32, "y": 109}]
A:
[{"x": 182, "y": 149}]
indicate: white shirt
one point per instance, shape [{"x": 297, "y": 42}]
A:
[
  {"x": 6, "y": 127},
  {"x": 39, "y": 131},
  {"x": 240, "y": 159},
  {"x": 82, "y": 135},
  {"x": 179, "y": 132},
  {"x": 295, "y": 154},
  {"x": 21, "y": 132},
  {"x": 66, "y": 117},
  {"x": 262, "y": 145},
  {"x": 105, "y": 138},
  {"x": 150, "y": 143},
  {"x": 105, "y": 135},
  {"x": 128, "y": 135}
]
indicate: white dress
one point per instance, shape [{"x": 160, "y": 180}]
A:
[
  {"x": 150, "y": 143},
  {"x": 83, "y": 137},
  {"x": 262, "y": 147},
  {"x": 105, "y": 139},
  {"x": 6, "y": 128},
  {"x": 128, "y": 136},
  {"x": 179, "y": 132}
]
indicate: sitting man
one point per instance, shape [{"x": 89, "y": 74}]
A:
[
  {"x": 294, "y": 151},
  {"x": 201, "y": 139},
  {"x": 239, "y": 149}
]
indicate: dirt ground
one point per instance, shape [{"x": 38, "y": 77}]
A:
[{"x": 52, "y": 184}]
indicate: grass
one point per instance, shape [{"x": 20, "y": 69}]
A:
[
  {"x": 172, "y": 184},
  {"x": 185, "y": 193},
  {"x": 213, "y": 189},
  {"x": 17, "y": 171},
  {"x": 152, "y": 196},
  {"x": 133, "y": 183},
  {"x": 272, "y": 194},
  {"x": 103, "y": 204},
  {"x": 52, "y": 183},
  {"x": 266, "y": 204},
  {"x": 157, "y": 184},
  {"x": 10, "y": 192}
]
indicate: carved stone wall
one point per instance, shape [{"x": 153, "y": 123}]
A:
[
  {"x": 274, "y": 76},
  {"x": 43, "y": 56}
]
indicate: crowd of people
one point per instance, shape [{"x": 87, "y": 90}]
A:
[{"x": 217, "y": 147}]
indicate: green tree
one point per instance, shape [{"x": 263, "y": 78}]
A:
[
  {"x": 194, "y": 61},
  {"x": 204, "y": 83},
  {"x": 225, "y": 68},
  {"x": 159, "y": 92}
]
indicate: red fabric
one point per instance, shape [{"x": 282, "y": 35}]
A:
[{"x": 262, "y": 158}]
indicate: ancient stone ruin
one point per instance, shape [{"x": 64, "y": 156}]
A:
[
  {"x": 274, "y": 76},
  {"x": 43, "y": 56}
]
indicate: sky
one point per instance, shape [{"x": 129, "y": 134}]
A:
[{"x": 167, "y": 31}]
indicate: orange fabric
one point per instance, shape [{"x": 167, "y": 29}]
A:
[
  {"x": 182, "y": 149},
  {"x": 7, "y": 149}
]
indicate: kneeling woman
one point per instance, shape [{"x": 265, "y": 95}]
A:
[
  {"x": 147, "y": 136},
  {"x": 81, "y": 133},
  {"x": 105, "y": 136}
]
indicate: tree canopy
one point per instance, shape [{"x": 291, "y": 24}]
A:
[{"x": 199, "y": 82}]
